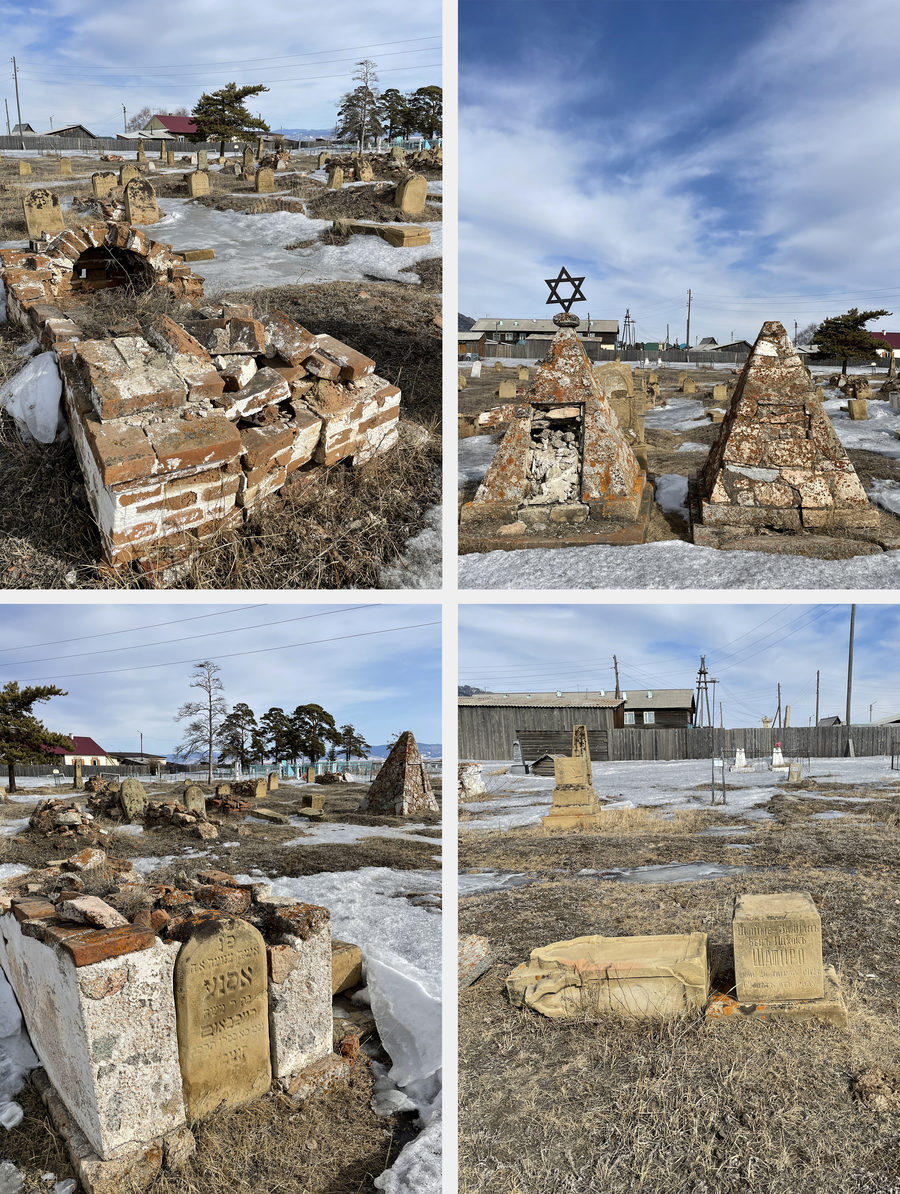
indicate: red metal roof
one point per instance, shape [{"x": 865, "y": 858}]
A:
[
  {"x": 83, "y": 746},
  {"x": 893, "y": 338},
  {"x": 177, "y": 124}
]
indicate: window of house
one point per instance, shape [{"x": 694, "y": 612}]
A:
[
  {"x": 649, "y": 719},
  {"x": 629, "y": 719}
]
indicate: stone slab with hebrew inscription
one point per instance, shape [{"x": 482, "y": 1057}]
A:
[
  {"x": 777, "y": 947},
  {"x": 222, "y": 1015}
]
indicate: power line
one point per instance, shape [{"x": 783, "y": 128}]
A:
[
  {"x": 212, "y": 634},
  {"x": 234, "y": 654},
  {"x": 310, "y": 79}
]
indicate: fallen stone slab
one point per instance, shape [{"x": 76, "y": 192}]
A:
[
  {"x": 346, "y": 966},
  {"x": 474, "y": 958},
  {"x": 267, "y": 814}
]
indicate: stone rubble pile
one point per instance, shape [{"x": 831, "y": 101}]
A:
[
  {"x": 62, "y": 818},
  {"x": 555, "y": 466}
]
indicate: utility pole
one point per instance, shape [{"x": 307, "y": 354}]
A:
[
  {"x": 124, "y": 120},
  {"x": 8, "y": 130},
  {"x": 702, "y": 692},
  {"x": 795, "y": 333},
  {"x": 687, "y": 338},
  {"x": 817, "y": 698},
  {"x": 850, "y": 663},
  {"x": 18, "y": 108},
  {"x": 778, "y": 714},
  {"x": 667, "y": 335},
  {"x": 616, "y": 667}
]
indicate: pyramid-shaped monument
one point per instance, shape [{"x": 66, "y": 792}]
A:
[
  {"x": 564, "y": 472},
  {"x": 778, "y": 465},
  {"x": 401, "y": 787}
]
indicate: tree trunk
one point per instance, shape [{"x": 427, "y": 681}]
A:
[
  {"x": 11, "y": 768},
  {"x": 844, "y": 367},
  {"x": 221, "y": 149}
]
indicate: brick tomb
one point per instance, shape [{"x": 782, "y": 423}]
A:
[{"x": 180, "y": 430}]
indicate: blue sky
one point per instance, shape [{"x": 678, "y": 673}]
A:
[
  {"x": 741, "y": 148},
  {"x": 749, "y": 649},
  {"x": 381, "y": 683},
  {"x": 82, "y": 62}
]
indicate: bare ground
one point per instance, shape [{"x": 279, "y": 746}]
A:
[{"x": 710, "y": 1107}]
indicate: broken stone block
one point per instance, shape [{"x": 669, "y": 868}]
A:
[
  {"x": 647, "y": 978},
  {"x": 401, "y": 787},
  {"x": 777, "y": 947},
  {"x": 346, "y": 966},
  {"x": 265, "y": 388},
  {"x": 24, "y": 166},
  {"x": 335, "y": 178},
  {"x": 475, "y": 957},
  {"x": 89, "y": 910},
  {"x": 830, "y": 1009}
]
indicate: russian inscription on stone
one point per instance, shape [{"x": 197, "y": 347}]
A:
[
  {"x": 221, "y": 1009},
  {"x": 777, "y": 947}
]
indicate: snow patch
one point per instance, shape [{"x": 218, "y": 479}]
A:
[{"x": 672, "y": 493}]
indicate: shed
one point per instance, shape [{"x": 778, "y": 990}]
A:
[
  {"x": 660, "y": 708},
  {"x": 470, "y": 342},
  {"x": 490, "y": 722}
]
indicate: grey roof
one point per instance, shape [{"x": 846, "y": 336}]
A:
[
  {"x": 470, "y": 335},
  {"x": 730, "y": 346},
  {"x": 518, "y": 323},
  {"x": 885, "y": 721},
  {"x": 834, "y": 720},
  {"x": 67, "y": 128},
  {"x": 707, "y": 340},
  {"x": 545, "y": 700},
  {"x": 659, "y": 698}
]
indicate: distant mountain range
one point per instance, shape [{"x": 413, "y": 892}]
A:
[
  {"x": 428, "y": 750},
  {"x": 305, "y": 134},
  {"x": 468, "y": 690},
  {"x": 465, "y": 324}
]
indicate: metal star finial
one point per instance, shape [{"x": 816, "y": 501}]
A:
[{"x": 555, "y": 283}]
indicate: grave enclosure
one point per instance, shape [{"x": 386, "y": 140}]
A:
[{"x": 182, "y": 428}]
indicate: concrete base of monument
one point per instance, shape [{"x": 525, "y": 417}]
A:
[
  {"x": 131, "y": 1169},
  {"x": 572, "y": 816},
  {"x": 562, "y": 525},
  {"x": 851, "y": 541},
  {"x": 830, "y": 1009}
]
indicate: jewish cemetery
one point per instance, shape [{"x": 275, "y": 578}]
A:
[
  {"x": 214, "y": 957},
  {"x": 675, "y": 916},
  {"x": 155, "y": 433}
]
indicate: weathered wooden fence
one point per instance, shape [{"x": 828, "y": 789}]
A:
[{"x": 818, "y": 742}]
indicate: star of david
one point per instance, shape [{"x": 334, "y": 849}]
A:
[{"x": 555, "y": 283}]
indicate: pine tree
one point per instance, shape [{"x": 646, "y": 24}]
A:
[
  {"x": 221, "y": 115},
  {"x": 235, "y": 739},
  {"x": 315, "y": 728},
  {"x": 352, "y": 743},
  {"x": 427, "y": 109},
  {"x": 845, "y": 336},
  {"x": 22, "y": 736}
]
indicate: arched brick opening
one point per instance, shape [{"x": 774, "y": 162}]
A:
[{"x": 104, "y": 267}]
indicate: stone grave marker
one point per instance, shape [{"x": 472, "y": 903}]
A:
[
  {"x": 77, "y": 782},
  {"x": 260, "y": 148},
  {"x": 688, "y": 386},
  {"x": 476, "y": 369},
  {"x": 193, "y": 799},
  {"x": 397, "y": 153},
  {"x": 777, "y": 947},
  {"x": 401, "y": 788},
  {"x": 24, "y": 167},
  {"x": 498, "y": 367},
  {"x": 311, "y": 775},
  {"x": 128, "y": 171},
  {"x": 410, "y": 194},
  {"x": 102, "y": 182},
  {"x": 794, "y": 774},
  {"x": 460, "y": 381},
  {"x": 202, "y": 160},
  {"x": 523, "y": 373},
  {"x": 198, "y": 183},
  {"x": 43, "y": 213},
  {"x": 222, "y": 1015},
  {"x": 720, "y": 392},
  {"x": 162, "y": 151},
  {"x": 507, "y": 389},
  {"x": 170, "y": 158},
  {"x": 321, "y": 160},
  {"x": 335, "y": 178},
  {"x": 141, "y": 155},
  {"x": 364, "y": 172},
  {"x": 574, "y": 799},
  {"x": 264, "y": 181},
  {"x": 272, "y": 781},
  {"x": 140, "y": 203},
  {"x": 247, "y": 160},
  {"x": 133, "y": 799},
  {"x": 65, "y": 165},
  {"x": 858, "y": 409}
]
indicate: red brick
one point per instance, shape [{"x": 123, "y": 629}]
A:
[
  {"x": 183, "y": 518},
  {"x": 180, "y": 445},
  {"x": 122, "y": 453},
  {"x": 353, "y": 364},
  {"x": 292, "y": 342},
  {"x": 128, "y": 499},
  {"x": 177, "y": 501},
  {"x": 247, "y": 335},
  {"x": 321, "y": 366},
  {"x": 178, "y": 340},
  {"x": 224, "y": 488},
  {"x": 94, "y": 945},
  {"x": 32, "y": 909},
  {"x": 205, "y": 385},
  {"x": 261, "y": 443}
]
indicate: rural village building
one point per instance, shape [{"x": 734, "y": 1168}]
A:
[
  {"x": 892, "y": 341},
  {"x": 471, "y": 342},
  {"x": 86, "y": 752},
  {"x": 517, "y": 330},
  {"x": 176, "y": 126},
  {"x": 70, "y": 130},
  {"x": 664, "y": 708}
]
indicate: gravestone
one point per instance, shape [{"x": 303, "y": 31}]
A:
[
  {"x": 575, "y": 802},
  {"x": 401, "y": 788},
  {"x": 133, "y": 799},
  {"x": 77, "y": 782},
  {"x": 141, "y": 155},
  {"x": 777, "y": 947},
  {"x": 858, "y": 409},
  {"x": 498, "y": 367},
  {"x": 128, "y": 171},
  {"x": 140, "y": 203},
  {"x": 202, "y": 160},
  {"x": 170, "y": 158},
  {"x": 688, "y": 386},
  {"x": 264, "y": 181},
  {"x": 65, "y": 165},
  {"x": 221, "y": 159},
  {"x": 476, "y": 369},
  {"x": 335, "y": 178},
  {"x": 24, "y": 167},
  {"x": 397, "y": 153},
  {"x": 222, "y": 1015},
  {"x": 523, "y": 373},
  {"x": 322, "y": 159},
  {"x": 410, "y": 194},
  {"x": 102, "y": 183},
  {"x": 364, "y": 172},
  {"x": 223, "y": 789},
  {"x": 43, "y": 213},
  {"x": 507, "y": 389},
  {"x": 260, "y": 148},
  {"x": 198, "y": 183},
  {"x": 193, "y": 799},
  {"x": 794, "y": 774},
  {"x": 247, "y": 160},
  {"x": 311, "y": 775},
  {"x": 778, "y": 762},
  {"x": 162, "y": 151},
  {"x": 720, "y": 392},
  {"x": 272, "y": 782}
]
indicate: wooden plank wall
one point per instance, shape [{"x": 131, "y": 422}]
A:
[
  {"x": 488, "y": 731},
  {"x": 535, "y": 743},
  {"x": 822, "y": 742}
]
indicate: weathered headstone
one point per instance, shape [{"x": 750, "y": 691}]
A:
[
  {"x": 78, "y": 782},
  {"x": 141, "y": 155},
  {"x": 133, "y": 799},
  {"x": 222, "y": 1015},
  {"x": 65, "y": 165},
  {"x": 507, "y": 389},
  {"x": 364, "y": 172},
  {"x": 498, "y": 366},
  {"x": 198, "y": 183},
  {"x": 688, "y": 386},
  {"x": 102, "y": 183},
  {"x": 397, "y": 153},
  {"x": 410, "y": 194},
  {"x": 574, "y": 799},
  {"x": 202, "y": 160},
  {"x": 794, "y": 773},
  {"x": 272, "y": 781},
  {"x": 247, "y": 160},
  {"x": 335, "y": 178},
  {"x": 162, "y": 151},
  {"x": 401, "y": 787},
  {"x": 322, "y": 159},
  {"x": 170, "y": 158},
  {"x": 43, "y": 213},
  {"x": 311, "y": 775},
  {"x": 127, "y": 171},
  {"x": 193, "y": 799},
  {"x": 24, "y": 167},
  {"x": 523, "y": 373},
  {"x": 777, "y": 947},
  {"x": 476, "y": 369},
  {"x": 858, "y": 409},
  {"x": 223, "y": 789},
  {"x": 140, "y": 203},
  {"x": 720, "y": 392},
  {"x": 264, "y": 181},
  {"x": 643, "y": 977},
  {"x": 260, "y": 148}
]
